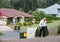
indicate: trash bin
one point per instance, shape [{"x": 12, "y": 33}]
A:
[{"x": 23, "y": 35}]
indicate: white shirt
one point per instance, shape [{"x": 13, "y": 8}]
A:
[{"x": 42, "y": 23}]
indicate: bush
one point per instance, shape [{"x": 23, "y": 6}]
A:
[
  {"x": 37, "y": 22},
  {"x": 25, "y": 23},
  {"x": 38, "y": 31},
  {"x": 29, "y": 23},
  {"x": 49, "y": 21},
  {"x": 1, "y": 34},
  {"x": 28, "y": 19},
  {"x": 58, "y": 32},
  {"x": 46, "y": 31},
  {"x": 19, "y": 24},
  {"x": 38, "y": 15}
]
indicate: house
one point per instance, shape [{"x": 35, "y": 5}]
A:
[
  {"x": 53, "y": 10},
  {"x": 9, "y": 15}
]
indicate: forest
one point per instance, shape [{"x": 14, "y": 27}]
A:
[{"x": 27, "y": 5}]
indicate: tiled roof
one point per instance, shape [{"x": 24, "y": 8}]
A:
[{"x": 12, "y": 12}]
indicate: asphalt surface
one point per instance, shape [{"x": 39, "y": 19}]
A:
[{"x": 39, "y": 39}]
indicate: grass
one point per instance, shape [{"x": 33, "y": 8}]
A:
[
  {"x": 1, "y": 34},
  {"x": 49, "y": 25},
  {"x": 55, "y": 23}
]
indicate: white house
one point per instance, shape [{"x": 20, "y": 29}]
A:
[{"x": 53, "y": 10}]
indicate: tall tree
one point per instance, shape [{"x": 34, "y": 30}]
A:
[{"x": 0, "y": 3}]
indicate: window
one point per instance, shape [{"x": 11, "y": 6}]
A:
[{"x": 58, "y": 10}]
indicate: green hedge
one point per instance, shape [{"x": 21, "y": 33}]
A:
[
  {"x": 48, "y": 21},
  {"x": 37, "y": 22},
  {"x": 27, "y": 23},
  {"x": 37, "y": 32},
  {"x": 58, "y": 32},
  {"x": 19, "y": 24},
  {"x": 1, "y": 34}
]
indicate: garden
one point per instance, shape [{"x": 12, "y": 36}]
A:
[{"x": 52, "y": 21}]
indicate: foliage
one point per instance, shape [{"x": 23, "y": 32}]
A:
[
  {"x": 46, "y": 31},
  {"x": 58, "y": 32},
  {"x": 49, "y": 21},
  {"x": 1, "y": 34},
  {"x": 37, "y": 22},
  {"x": 27, "y": 5},
  {"x": 38, "y": 15},
  {"x": 19, "y": 24},
  {"x": 30, "y": 11},
  {"x": 28, "y": 19},
  {"x": 5, "y": 4},
  {"x": 38, "y": 31},
  {"x": 27, "y": 23}
]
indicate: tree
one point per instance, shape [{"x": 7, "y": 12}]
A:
[
  {"x": 5, "y": 4},
  {"x": 38, "y": 15},
  {"x": 0, "y": 3}
]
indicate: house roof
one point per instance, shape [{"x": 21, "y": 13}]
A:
[
  {"x": 12, "y": 12},
  {"x": 51, "y": 9},
  {"x": 0, "y": 13}
]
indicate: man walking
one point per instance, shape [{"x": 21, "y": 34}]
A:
[{"x": 42, "y": 26}]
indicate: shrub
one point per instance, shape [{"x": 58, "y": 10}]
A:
[
  {"x": 25, "y": 23},
  {"x": 38, "y": 31},
  {"x": 49, "y": 21},
  {"x": 58, "y": 32},
  {"x": 29, "y": 23},
  {"x": 46, "y": 31},
  {"x": 38, "y": 15},
  {"x": 19, "y": 24},
  {"x": 37, "y": 22},
  {"x": 1, "y": 34},
  {"x": 28, "y": 19}
]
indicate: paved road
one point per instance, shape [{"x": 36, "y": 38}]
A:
[
  {"x": 46, "y": 39},
  {"x": 8, "y": 32},
  {"x": 5, "y": 28},
  {"x": 40, "y": 39}
]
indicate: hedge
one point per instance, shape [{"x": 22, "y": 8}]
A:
[
  {"x": 58, "y": 32},
  {"x": 37, "y": 32},
  {"x": 1, "y": 34}
]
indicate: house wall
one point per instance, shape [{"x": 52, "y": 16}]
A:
[{"x": 3, "y": 20}]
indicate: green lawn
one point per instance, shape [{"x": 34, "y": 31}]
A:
[
  {"x": 49, "y": 25},
  {"x": 55, "y": 23}
]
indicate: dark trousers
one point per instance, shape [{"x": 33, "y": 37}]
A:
[
  {"x": 15, "y": 27},
  {"x": 42, "y": 30}
]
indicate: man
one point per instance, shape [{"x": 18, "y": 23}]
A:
[{"x": 42, "y": 26}]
